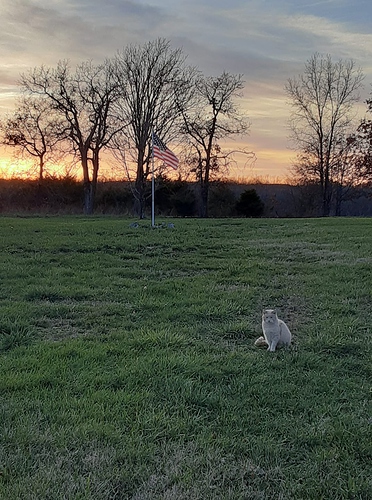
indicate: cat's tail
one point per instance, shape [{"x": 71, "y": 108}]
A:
[{"x": 261, "y": 342}]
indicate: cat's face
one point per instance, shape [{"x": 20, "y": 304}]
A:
[{"x": 269, "y": 315}]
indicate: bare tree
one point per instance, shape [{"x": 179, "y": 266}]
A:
[
  {"x": 33, "y": 130},
  {"x": 362, "y": 148},
  {"x": 84, "y": 99},
  {"x": 322, "y": 100},
  {"x": 155, "y": 81},
  {"x": 210, "y": 118}
]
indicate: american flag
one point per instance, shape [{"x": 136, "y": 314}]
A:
[{"x": 161, "y": 151}]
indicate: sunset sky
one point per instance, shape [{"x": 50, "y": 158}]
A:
[{"x": 267, "y": 41}]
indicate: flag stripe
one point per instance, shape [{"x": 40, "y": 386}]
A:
[{"x": 161, "y": 151}]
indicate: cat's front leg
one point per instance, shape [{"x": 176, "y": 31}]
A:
[{"x": 273, "y": 344}]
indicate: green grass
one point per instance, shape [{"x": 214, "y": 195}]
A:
[{"x": 128, "y": 370}]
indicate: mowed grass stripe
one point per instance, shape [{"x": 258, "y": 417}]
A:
[{"x": 128, "y": 368}]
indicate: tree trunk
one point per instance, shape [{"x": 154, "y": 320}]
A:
[
  {"x": 204, "y": 191},
  {"x": 139, "y": 198},
  {"x": 140, "y": 186},
  {"x": 88, "y": 198},
  {"x": 88, "y": 185},
  {"x": 41, "y": 168},
  {"x": 90, "y": 195},
  {"x": 327, "y": 198}
]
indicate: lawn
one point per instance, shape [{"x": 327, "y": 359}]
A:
[{"x": 128, "y": 368}]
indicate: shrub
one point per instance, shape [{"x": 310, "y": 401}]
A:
[
  {"x": 222, "y": 201},
  {"x": 250, "y": 204},
  {"x": 174, "y": 198}
]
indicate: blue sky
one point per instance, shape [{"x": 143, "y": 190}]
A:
[{"x": 267, "y": 41}]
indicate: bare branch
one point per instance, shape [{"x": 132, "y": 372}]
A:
[
  {"x": 322, "y": 101},
  {"x": 211, "y": 116}
]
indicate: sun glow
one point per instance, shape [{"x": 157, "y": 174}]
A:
[
  {"x": 19, "y": 168},
  {"x": 269, "y": 165}
]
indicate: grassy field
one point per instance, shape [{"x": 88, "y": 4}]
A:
[{"x": 128, "y": 370}]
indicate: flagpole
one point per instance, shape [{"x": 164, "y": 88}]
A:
[{"x": 152, "y": 183}]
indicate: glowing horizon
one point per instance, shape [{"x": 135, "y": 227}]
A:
[
  {"x": 266, "y": 43},
  {"x": 11, "y": 167}
]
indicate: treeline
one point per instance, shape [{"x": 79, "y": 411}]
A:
[
  {"x": 79, "y": 115},
  {"x": 117, "y": 108},
  {"x": 176, "y": 198}
]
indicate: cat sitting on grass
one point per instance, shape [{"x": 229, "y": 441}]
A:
[{"x": 276, "y": 332}]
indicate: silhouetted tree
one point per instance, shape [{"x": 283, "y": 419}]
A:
[
  {"x": 84, "y": 98},
  {"x": 33, "y": 131},
  {"x": 250, "y": 204},
  {"x": 322, "y": 99},
  {"x": 155, "y": 82},
  {"x": 211, "y": 117},
  {"x": 362, "y": 148}
]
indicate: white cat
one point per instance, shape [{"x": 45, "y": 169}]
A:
[{"x": 275, "y": 331}]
